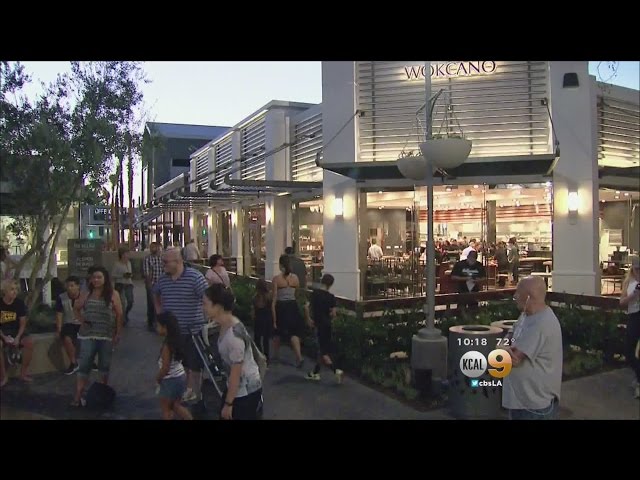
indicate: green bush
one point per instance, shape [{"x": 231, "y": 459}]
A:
[
  {"x": 41, "y": 319},
  {"x": 363, "y": 346},
  {"x": 244, "y": 290}
]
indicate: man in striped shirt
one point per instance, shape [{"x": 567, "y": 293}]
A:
[
  {"x": 180, "y": 291},
  {"x": 152, "y": 269}
]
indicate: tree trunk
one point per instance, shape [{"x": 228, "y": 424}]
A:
[
  {"x": 112, "y": 239},
  {"x": 34, "y": 288},
  {"x": 121, "y": 198},
  {"x": 36, "y": 242},
  {"x": 130, "y": 187}
]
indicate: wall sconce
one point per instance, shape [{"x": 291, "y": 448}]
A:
[
  {"x": 573, "y": 201},
  {"x": 570, "y": 80},
  {"x": 338, "y": 207},
  {"x": 268, "y": 211}
]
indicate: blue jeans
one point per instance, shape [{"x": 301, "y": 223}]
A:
[
  {"x": 88, "y": 350},
  {"x": 549, "y": 413}
]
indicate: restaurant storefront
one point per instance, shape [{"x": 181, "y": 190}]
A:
[
  {"x": 542, "y": 151},
  {"x": 546, "y": 159}
]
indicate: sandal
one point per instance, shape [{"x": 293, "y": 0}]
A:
[
  {"x": 26, "y": 379},
  {"x": 5, "y": 380}
]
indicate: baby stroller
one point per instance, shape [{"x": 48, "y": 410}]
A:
[{"x": 205, "y": 341}]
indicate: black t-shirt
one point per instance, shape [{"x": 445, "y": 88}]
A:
[
  {"x": 10, "y": 316},
  {"x": 463, "y": 269},
  {"x": 322, "y": 302}
]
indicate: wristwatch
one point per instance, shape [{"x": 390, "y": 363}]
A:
[{"x": 228, "y": 404}]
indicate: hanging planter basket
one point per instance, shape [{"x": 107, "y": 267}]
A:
[
  {"x": 413, "y": 167},
  {"x": 446, "y": 152}
]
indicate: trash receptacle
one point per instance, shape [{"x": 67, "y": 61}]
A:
[
  {"x": 506, "y": 326},
  {"x": 473, "y": 392}
]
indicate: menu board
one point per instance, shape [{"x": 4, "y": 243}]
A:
[{"x": 83, "y": 253}]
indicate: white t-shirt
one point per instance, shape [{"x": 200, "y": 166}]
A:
[
  {"x": 634, "y": 305},
  {"x": 234, "y": 350},
  {"x": 375, "y": 252},
  {"x": 534, "y": 383},
  {"x": 465, "y": 253}
]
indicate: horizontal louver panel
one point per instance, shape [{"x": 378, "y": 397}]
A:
[
  {"x": 501, "y": 112},
  {"x": 308, "y": 141},
  {"x": 223, "y": 157},
  {"x": 618, "y": 133},
  {"x": 202, "y": 170},
  {"x": 253, "y": 143}
]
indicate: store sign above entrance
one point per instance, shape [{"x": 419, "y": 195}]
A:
[{"x": 451, "y": 69}]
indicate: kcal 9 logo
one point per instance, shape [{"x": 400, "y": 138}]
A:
[{"x": 473, "y": 364}]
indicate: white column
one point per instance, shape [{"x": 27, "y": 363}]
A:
[
  {"x": 194, "y": 231},
  {"x": 575, "y": 236},
  {"x": 341, "y": 233},
  {"x": 212, "y": 232},
  {"x": 277, "y": 209},
  {"x": 276, "y": 217},
  {"x": 237, "y": 226},
  {"x": 237, "y": 215}
]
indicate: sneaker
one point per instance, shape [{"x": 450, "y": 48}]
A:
[
  {"x": 312, "y": 376},
  {"x": 339, "y": 375},
  {"x": 73, "y": 368},
  {"x": 189, "y": 396},
  {"x": 95, "y": 367},
  {"x": 14, "y": 356}
]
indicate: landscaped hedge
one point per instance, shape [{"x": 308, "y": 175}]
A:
[{"x": 591, "y": 338}]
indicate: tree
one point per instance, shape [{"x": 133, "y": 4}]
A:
[{"x": 67, "y": 138}]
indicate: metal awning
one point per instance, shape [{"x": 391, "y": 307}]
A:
[
  {"x": 489, "y": 167},
  {"x": 232, "y": 192},
  {"x": 148, "y": 216},
  {"x": 618, "y": 178}
]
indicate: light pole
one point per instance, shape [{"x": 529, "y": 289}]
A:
[
  {"x": 430, "y": 306},
  {"x": 429, "y": 346}
]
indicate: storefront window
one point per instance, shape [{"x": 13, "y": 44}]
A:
[
  {"x": 396, "y": 226},
  {"x": 310, "y": 237},
  {"x": 256, "y": 242},
  {"x": 224, "y": 233}
]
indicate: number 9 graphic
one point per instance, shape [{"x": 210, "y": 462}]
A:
[{"x": 500, "y": 359}]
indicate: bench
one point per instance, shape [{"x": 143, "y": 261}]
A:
[{"x": 48, "y": 356}]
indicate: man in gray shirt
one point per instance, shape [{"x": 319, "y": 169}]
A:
[
  {"x": 298, "y": 267},
  {"x": 532, "y": 390}
]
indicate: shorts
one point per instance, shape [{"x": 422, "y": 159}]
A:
[
  {"x": 288, "y": 320},
  {"x": 13, "y": 333},
  {"x": 325, "y": 346},
  {"x": 191, "y": 358},
  {"x": 70, "y": 330},
  {"x": 173, "y": 388},
  {"x": 89, "y": 348}
]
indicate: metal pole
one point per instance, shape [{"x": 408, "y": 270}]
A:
[{"x": 431, "y": 272}]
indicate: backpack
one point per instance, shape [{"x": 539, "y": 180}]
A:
[
  {"x": 100, "y": 396},
  {"x": 258, "y": 356}
]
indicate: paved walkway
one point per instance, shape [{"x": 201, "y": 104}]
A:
[{"x": 287, "y": 394}]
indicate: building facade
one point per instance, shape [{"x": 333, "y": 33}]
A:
[{"x": 554, "y": 163}]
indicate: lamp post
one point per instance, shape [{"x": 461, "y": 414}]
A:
[{"x": 429, "y": 347}]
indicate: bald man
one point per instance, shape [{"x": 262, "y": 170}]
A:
[
  {"x": 532, "y": 390},
  {"x": 180, "y": 291}
]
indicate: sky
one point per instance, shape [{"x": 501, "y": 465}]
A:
[{"x": 223, "y": 93}]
